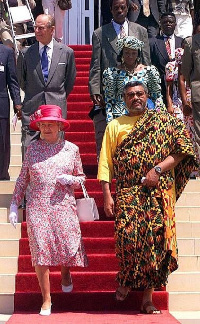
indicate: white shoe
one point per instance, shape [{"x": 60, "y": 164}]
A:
[
  {"x": 67, "y": 289},
  {"x": 45, "y": 312}
]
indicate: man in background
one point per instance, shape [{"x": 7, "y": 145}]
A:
[
  {"x": 191, "y": 71},
  {"x": 148, "y": 14},
  {"x": 46, "y": 72},
  {"x": 162, "y": 47},
  {"x": 8, "y": 81}
]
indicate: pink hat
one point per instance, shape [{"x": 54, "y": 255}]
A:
[{"x": 45, "y": 113}]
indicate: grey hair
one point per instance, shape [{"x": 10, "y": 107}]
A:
[{"x": 132, "y": 84}]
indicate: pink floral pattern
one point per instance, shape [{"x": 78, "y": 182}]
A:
[{"x": 52, "y": 223}]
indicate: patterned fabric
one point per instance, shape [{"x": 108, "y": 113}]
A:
[
  {"x": 52, "y": 223},
  {"x": 145, "y": 221},
  {"x": 114, "y": 80},
  {"x": 129, "y": 42}
]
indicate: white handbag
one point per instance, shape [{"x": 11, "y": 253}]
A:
[{"x": 86, "y": 207}]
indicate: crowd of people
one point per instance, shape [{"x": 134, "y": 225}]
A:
[{"x": 144, "y": 84}]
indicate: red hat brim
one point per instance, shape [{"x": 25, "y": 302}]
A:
[{"x": 65, "y": 124}]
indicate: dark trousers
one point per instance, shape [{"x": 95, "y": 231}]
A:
[
  {"x": 4, "y": 148},
  {"x": 28, "y": 136}
]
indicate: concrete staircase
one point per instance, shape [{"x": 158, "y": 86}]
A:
[{"x": 184, "y": 284}]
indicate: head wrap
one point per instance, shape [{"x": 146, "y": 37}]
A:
[{"x": 130, "y": 42}]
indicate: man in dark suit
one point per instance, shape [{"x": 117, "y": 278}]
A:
[
  {"x": 8, "y": 80},
  {"x": 104, "y": 55},
  {"x": 149, "y": 20},
  {"x": 50, "y": 86},
  {"x": 160, "y": 55}
]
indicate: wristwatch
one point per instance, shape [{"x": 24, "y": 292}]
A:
[{"x": 158, "y": 169}]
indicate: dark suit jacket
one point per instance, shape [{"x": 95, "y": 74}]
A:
[
  {"x": 159, "y": 57},
  {"x": 8, "y": 80},
  {"x": 191, "y": 65},
  {"x": 60, "y": 81},
  {"x": 156, "y": 7},
  {"x": 104, "y": 52}
]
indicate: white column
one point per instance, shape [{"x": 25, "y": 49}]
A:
[{"x": 79, "y": 22}]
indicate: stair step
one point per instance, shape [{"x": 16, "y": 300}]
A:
[
  {"x": 8, "y": 265},
  {"x": 187, "y": 213},
  {"x": 81, "y": 81},
  {"x": 80, "y": 89},
  {"x": 75, "y": 106},
  {"x": 7, "y": 283},
  {"x": 9, "y": 248},
  {"x": 184, "y": 301},
  {"x": 7, "y": 231},
  {"x": 15, "y": 149},
  {"x": 78, "y": 126},
  {"x": 189, "y": 246},
  {"x": 3, "y": 215},
  {"x": 79, "y": 97},
  {"x": 188, "y": 263},
  {"x": 184, "y": 281},
  {"x": 94, "y": 246},
  {"x": 77, "y": 115},
  {"x": 188, "y": 229},
  {"x": 86, "y": 301},
  {"x": 16, "y": 159},
  {"x": 189, "y": 199},
  {"x": 102, "y": 262},
  {"x": 6, "y": 303}
]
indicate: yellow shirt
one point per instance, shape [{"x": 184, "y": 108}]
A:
[{"x": 115, "y": 133}]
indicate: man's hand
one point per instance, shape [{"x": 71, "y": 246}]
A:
[
  {"x": 152, "y": 178},
  {"x": 187, "y": 110},
  {"x": 170, "y": 109},
  {"x": 109, "y": 206},
  {"x": 133, "y": 6},
  {"x": 18, "y": 109},
  {"x": 97, "y": 100}
]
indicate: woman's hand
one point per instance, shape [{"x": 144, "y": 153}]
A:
[{"x": 65, "y": 179}]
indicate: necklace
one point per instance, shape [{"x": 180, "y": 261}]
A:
[{"x": 128, "y": 70}]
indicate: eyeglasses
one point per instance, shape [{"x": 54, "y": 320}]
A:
[
  {"x": 131, "y": 95},
  {"x": 40, "y": 28}
]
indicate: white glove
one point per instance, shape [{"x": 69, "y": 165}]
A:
[
  {"x": 65, "y": 179},
  {"x": 13, "y": 216}
]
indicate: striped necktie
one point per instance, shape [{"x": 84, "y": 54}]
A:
[
  {"x": 168, "y": 47},
  {"x": 44, "y": 63},
  {"x": 122, "y": 32},
  {"x": 146, "y": 9}
]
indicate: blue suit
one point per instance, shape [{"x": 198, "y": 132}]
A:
[{"x": 8, "y": 81}]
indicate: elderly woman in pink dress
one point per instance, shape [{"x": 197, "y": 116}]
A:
[{"x": 52, "y": 168}]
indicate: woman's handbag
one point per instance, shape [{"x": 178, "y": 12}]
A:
[
  {"x": 65, "y": 4},
  {"x": 86, "y": 207}
]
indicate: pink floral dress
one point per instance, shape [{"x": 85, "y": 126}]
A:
[{"x": 52, "y": 223}]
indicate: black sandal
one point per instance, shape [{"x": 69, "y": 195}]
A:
[
  {"x": 153, "y": 310},
  {"x": 119, "y": 296}
]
